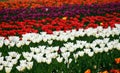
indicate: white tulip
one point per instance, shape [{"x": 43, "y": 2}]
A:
[
  {"x": 14, "y": 38},
  {"x": 10, "y": 65},
  {"x": 2, "y": 38},
  {"x": 12, "y": 44},
  {"x": 56, "y": 48},
  {"x": 1, "y": 44},
  {"x": 1, "y": 59},
  {"x": 14, "y": 61},
  {"x": 18, "y": 56},
  {"x": 5, "y": 63},
  {"x": 96, "y": 49},
  {"x": 70, "y": 60},
  {"x": 106, "y": 49},
  {"x": 87, "y": 45},
  {"x": 27, "y": 42},
  {"x": 75, "y": 56},
  {"x": 54, "y": 55},
  {"x": 20, "y": 68},
  {"x": 23, "y": 61},
  {"x": 19, "y": 44},
  {"x": 92, "y": 45},
  {"x": 65, "y": 39},
  {"x": 37, "y": 50},
  {"x": 8, "y": 58},
  {"x": 87, "y": 51},
  {"x": 8, "y": 69},
  {"x": 118, "y": 46},
  {"x": 43, "y": 59},
  {"x": 102, "y": 45},
  {"x": 66, "y": 55},
  {"x": 72, "y": 38},
  {"x": 23, "y": 65},
  {"x": 7, "y": 42},
  {"x": 12, "y": 54},
  {"x": 71, "y": 49},
  {"x": 48, "y": 61},
  {"x": 80, "y": 53},
  {"x": 44, "y": 39},
  {"x": 32, "y": 49},
  {"x": 29, "y": 65},
  {"x": 90, "y": 54},
  {"x": 0, "y": 54},
  {"x": 59, "y": 59},
  {"x": 50, "y": 42},
  {"x": 1, "y": 67},
  {"x": 117, "y": 25},
  {"x": 63, "y": 49},
  {"x": 39, "y": 59}
]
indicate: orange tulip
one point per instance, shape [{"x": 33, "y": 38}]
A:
[
  {"x": 88, "y": 71},
  {"x": 117, "y": 60}
]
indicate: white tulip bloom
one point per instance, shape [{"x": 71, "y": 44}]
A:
[
  {"x": 23, "y": 61},
  {"x": 14, "y": 38},
  {"x": 70, "y": 60},
  {"x": 20, "y": 68},
  {"x": 106, "y": 49},
  {"x": 37, "y": 50},
  {"x": 12, "y": 54},
  {"x": 0, "y": 54},
  {"x": 32, "y": 49},
  {"x": 2, "y": 38},
  {"x": 8, "y": 58},
  {"x": 43, "y": 59},
  {"x": 10, "y": 65},
  {"x": 14, "y": 61},
  {"x": 96, "y": 49},
  {"x": 48, "y": 61},
  {"x": 80, "y": 53},
  {"x": 50, "y": 42},
  {"x": 87, "y": 51},
  {"x": 1, "y": 67},
  {"x": 56, "y": 48},
  {"x": 18, "y": 44},
  {"x": 87, "y": 45},
  {"x": 100, "y": 50},
  {"x": 117, "y": 25},
  {"x": 29, "y": 65},
  {"x": 72, "y": 38},
  {"x": 5, "y": 63},
  {"x": 90, "y": 54},
  {"x": 92, "y": 45},
  {"x": 7, "y": 42},
  {"x": 71, "y": 49},
  {"x": 8, "y": 69},
  {"x": 38, "y": 59},
  {"x": 59, "y": 59},
  {"x": 118, "y": 46},
  {"x": 27, "y": 42},
  {"x": 63, "y": 49},
  {"x": 18, "y": 56},
  {"x": 64, "y": 39},
  {"x": 1, "y": 43},
  {"x": 102, "y": 45},
  {"x": 1, "y": 59},
  {"x": 75, "y": 56},
  {"x": 44, "y": 39},
  {"x": 66, "y": 55},
  {"x": 12, "y": 44},
  {"x": 54, "y": 55}
]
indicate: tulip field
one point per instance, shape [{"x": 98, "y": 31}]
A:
[{"x": 59, "y": 36}]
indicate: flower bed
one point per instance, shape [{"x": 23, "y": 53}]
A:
[{"x": 60, "y": 39}]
